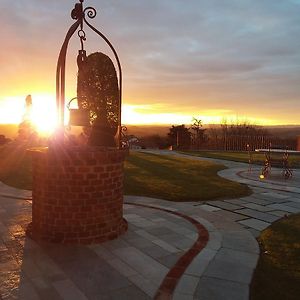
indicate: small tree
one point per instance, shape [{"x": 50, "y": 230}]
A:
[
  {"x": 199, "y": 133},
  {"x": 180, "y": 136}
]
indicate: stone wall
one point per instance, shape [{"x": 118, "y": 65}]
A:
[{"x": 77, "y": 194}]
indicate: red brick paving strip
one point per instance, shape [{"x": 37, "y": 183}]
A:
[{"x": 171, "y": 280}]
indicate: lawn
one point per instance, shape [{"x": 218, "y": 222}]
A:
[
  {"x": 177, "y": 179},
  {"x": 277, "y": 275},
  {"x": 257, "y": 158},
  {"x": 166, "y": 177}
]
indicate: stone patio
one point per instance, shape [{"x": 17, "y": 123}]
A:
[{"x": 170, "y": 251}]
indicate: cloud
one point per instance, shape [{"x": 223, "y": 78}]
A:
[{"x": 207, "y": 53}]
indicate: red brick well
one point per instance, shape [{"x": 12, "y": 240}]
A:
[{"x": 77, "y": 194}]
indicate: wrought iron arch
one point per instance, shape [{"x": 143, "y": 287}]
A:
[{"x": 79, "y": 14}]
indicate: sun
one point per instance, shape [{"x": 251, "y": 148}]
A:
[{"x": 44, "y": 114}]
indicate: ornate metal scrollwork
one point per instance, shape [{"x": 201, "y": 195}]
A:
[{"x": 90, "y": 12}]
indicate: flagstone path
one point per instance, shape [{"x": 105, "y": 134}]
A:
[{"x": 171, "y": 250}]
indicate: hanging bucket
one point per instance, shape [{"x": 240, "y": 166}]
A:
[{"x": 78, "y": 116}]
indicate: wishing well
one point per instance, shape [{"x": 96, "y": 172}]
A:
[{"x": 78, "y": 189}]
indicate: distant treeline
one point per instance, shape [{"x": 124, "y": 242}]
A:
[{"x": 232, "y": 137}]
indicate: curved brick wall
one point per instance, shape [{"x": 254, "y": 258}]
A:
[{"x": 77, "y": 194}]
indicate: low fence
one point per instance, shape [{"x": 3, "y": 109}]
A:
[{"x": 239, "y": 143}]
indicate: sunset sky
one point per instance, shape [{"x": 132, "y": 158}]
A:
[{"x": 212, "y": 59}]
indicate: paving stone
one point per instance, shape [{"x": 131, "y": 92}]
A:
[
  {"x": 275, "y": 197},
  {"x": 140, "y": 243},
  {"x": 67, "y": 290},
  {"x": 216, "y": 289},
  {"x": 187, "y": 284},
  {"x": 236, "y": 201},
  {"x": 293, "y": 204},
  {"x": 159, "y": 231},
  {"x": 45, "y": 290},
  {"x": 121, "y": 267},
  {"x": 143, "y": 264},
  {"x": 279, "y": 213},
  {"x": 143, "y": 233},
  {"x": 294, "y": 199},
  {"x": 215, "y": 240},
  {"x": 41, "y": 283},
  {"x": 102, "y": 252},
  {"x": 25, "y": 291},
  {"x": 200, "y": 262},
  {"x": 284, "y": 207},
  {"x": 173, "y": 237},
  {"x": 257, "y": 207},
  {"x": 183, "y": 244},
  {"x": 128, "y": 293},
  {"x": 184, "y": 231},
  {"x": 258, "y": 201},
  {"x": 30, "y": 268},
  {"x": 224, "y": 205},
  {"x": 241, "y": 258},
  {"x": 209, "y": 207},
  {"x": 47, "y": 265},
  {"x": 155, "y": 251},
  {"x": 193, "y": 236},
  {"x": 255, "y": 224},
  {"x": 146, "y": 285},
  {"x": 179, "y": 296},
  {"x": 88, "y": 271},
  {"x": 227, "y": 270},
  {"x": 240, "y": 240},
  {"x": 233, "y": 216},
  {"x": 115, "y": 244},
  {"x": 254, "y": 232},
  {"x": 258, "y": 215},
  {"x": 130, "y": 234},
  {"x": 131, "y": 217},
  {"x": 170, "y": 260},
  {"x": 166, "y": 246}
]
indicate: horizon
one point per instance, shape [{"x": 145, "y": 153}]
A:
[{"x": 202, "y": 59}]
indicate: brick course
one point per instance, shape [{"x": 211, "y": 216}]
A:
[{"x": 77, "y": 194}]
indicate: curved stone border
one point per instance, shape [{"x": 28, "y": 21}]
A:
[
  {"x": 237, "y": 174},
  {"x": 172, "y": 278}
]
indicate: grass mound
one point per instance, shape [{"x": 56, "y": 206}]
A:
[{"x": 277, "y": 275}]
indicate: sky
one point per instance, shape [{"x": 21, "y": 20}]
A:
[{"x": 210, "y": 59}]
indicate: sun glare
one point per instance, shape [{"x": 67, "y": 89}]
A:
[{"x": 43, "y": 114}]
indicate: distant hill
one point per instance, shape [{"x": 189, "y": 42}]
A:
[
  {"x": 9, "y": 130},
  {"x": 288, "y": 131},
  {"x": 146, "y": 130}
]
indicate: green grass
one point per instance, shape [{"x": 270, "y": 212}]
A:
[
  {"x": 177, "y": 179},
  {"x": 277, "y": 275},
  {"x": 166, "y": 177},
  {"x": 258, "y": 158}
]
